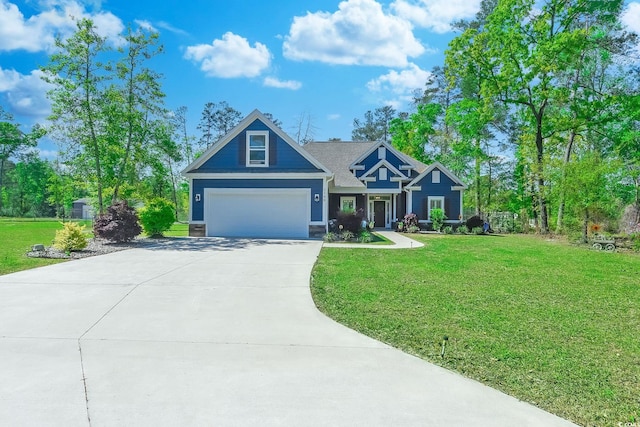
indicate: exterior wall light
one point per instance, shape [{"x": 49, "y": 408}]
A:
[{"x": 316, "y": 197}]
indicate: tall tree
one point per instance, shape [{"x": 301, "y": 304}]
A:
[
  {"x": 142, "y": 97},
  {"x": 78, "y": 97},
  {"x": 216, "y": 121},
  {"x": 375, "y": 126}
]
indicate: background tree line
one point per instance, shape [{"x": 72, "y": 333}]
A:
[{"x": 537, "y": 108}]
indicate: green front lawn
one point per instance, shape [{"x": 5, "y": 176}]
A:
[
  {"x": 18, "y": 235},
  {"x": 554, "y": 325}
]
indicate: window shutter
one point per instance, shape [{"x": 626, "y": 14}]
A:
[
  {"x": 242, "y": 149},
  {"x": 273, "y": 149}
]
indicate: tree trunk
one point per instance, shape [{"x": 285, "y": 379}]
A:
[
  {"x": 561, "y": 203},
  {"x": 1, "y": 181},
  {"x": 585, "y": 227},
  {"x": 542, "y": 198},
  {"x": 477, "y": 177}
]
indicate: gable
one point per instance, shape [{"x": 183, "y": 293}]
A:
[
  {"x": 278, "y": 153},
  {"x": 380, "y": 152}
]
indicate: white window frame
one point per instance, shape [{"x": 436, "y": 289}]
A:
[
  {"x": 382, "y": 174},
  {"x": 434, "y": 198},
  {"x": 347, "y": 199},
  {"x": 251, "y": 133},
  {"x": 435, "y": 177},
  {"x": 382, "y": 153}
]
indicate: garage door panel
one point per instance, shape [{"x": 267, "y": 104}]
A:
[{"x": 258, "y": 213}]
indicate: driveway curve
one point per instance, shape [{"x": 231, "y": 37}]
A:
[{"x": 201, "y": 332}]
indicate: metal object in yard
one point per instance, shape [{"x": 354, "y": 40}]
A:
[{"x": 604, "y": 243}]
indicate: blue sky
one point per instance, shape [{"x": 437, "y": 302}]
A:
[{"x": 325, "y": 59}]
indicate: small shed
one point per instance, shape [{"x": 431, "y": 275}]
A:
[{"x": 82, "y": 209}]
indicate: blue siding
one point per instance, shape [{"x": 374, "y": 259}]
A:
[
  {"x": 451, "y": 197},
  {"x": 372, "y": 159},
  {"x": 231, "y": 157},
  {"x": 386, "y": 184},
  {"x": 199, "y": 185}
]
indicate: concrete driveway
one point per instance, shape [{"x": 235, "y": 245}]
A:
[{"x": 212, "y": 332}]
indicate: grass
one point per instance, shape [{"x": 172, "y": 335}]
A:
[
  {"x": 19, "y": 234},
  {"x": 554, "y": 325}
]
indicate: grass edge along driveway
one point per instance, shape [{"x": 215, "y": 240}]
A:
[{"x": 551, "y": 324}]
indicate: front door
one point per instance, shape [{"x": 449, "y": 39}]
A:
[{"x": 379, "y": 212}]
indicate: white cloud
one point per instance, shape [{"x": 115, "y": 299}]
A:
[
  {"x": 400, "y": 83},
  {"x": 358, "y": 33},
  {"x": 37, "y": 33},
  {"x": 25, "y": 94},
  {"x": 333, "y": 116},
  {"x": 145, "y": 25},
  {"x": 282, "y": 84},
  {"x": 437, "y": 15},
  {"x": 166, "y": 26},
  {"x": 229, "y": 57},
  {"x": 631, "y": 17},
  {"x": 399, "y": 86}
]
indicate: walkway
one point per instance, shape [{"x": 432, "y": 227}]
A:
[
  {"x": 202, "y": 332},
  {"x": 400, "y": 241}
]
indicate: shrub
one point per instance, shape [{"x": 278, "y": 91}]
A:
[
  {"x": 437, "y": 219},
  {"x": 350, "y": 221},
  {"x": 410, "y": 220},
  {"x": 413, "y": 229},
  {"x": 70, "y": 238},
  {"x": 474, "y": 221},
  {"x": 366, "y": 237},
  {"x": 118, "y": 224},
  {"x": 448, "y": 230},
  {"x": 347, "y": 235},
  {"x": 157, "y": 217},
  {"x": 330, "y": 237},
  {"x": 477, "y": 230}
]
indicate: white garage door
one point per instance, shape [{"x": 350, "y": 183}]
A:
[{"x": 257, "y": 212}]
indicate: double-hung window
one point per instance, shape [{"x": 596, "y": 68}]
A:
[
  {"x": 435, "y": 202},
  {"x": 257, "y": 148}
]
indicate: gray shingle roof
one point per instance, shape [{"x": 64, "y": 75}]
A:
[{"x": 337, "y": 157}]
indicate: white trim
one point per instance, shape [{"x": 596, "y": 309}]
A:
[
  {"x": 383, "y": 163},
  {"x": 348, "y": 190},
  {"x": 458, "y": 187},
  {"x": 413, "y": 188},
  {"x": 255, "y": 114},
  {"x": 348, "y": 198},
  {"x": 357, "y": 167},
  {"x": 382, "y": 191},
  {"x": 374, "y": 147},
  {"x": 317, "y": 223},
  {"x": 368, "y": 179},
  {"x": 396, "y": 179},
  {"x": 259, "y": 175},
  {"x": 383, "y": 176},
  {"x": 210, "y": 192},
  {"x": 191, "y": 200},
  {"x": 446, "y": 221},
  {"x": 197, "y": 222},
  {"x": 409, "y": 202},
  {"x": 461, "y": 215},
  {"x": 388, "y": 211},
  {"x": 434, "y": 198},
  {"x": 431, "y": 167},
  {"x": 248, "y": 150},
  {"x": 407, "y": 167}
]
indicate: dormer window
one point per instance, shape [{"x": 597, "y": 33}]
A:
[{"x": 257, "y": 148}]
